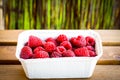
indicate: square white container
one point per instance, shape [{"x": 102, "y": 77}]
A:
[{"x": 69, "y": 67}]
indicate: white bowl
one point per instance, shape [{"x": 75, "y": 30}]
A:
[{"x": 66, "y": 67}]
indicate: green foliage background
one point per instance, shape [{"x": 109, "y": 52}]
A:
[{"x": 61, "y": 14}]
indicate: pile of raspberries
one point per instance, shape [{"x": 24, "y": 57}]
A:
[{"x": 58, "y": 47}]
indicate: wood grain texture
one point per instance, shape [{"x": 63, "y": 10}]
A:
[
  {"x": 101, "y": 72},
  {"x": 111, "y": 55},
  {"x": 9, "y": 36},
  {"x": 109, "y": 37},
  {"x": 12, "y": 72}
]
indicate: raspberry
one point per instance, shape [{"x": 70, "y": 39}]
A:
[
  {"x": 82, "y": 52},
  {"x": 78, "y": 42},
  {"x": 90, "y": 48},
  {"x": 41, "y": 54},
  {"x": 68, "y": 53},
  {"x": 38, "y": 49},
  {"x": 61, "y": 38},
  {"x": 34, "y": 41},
  {"x": 66, "y": 44},
  {"x": 26, "y": 52},
  {"x": 73, "y": 40},
  {"x": 90, "y": 41},
  {"x": 50, "y": 39},
  {"x": 60, "y": 49},
  {"x": 49, "y": 46},
  {"x": 56, "y": 54},
  {"x": 92, "y": 53}
]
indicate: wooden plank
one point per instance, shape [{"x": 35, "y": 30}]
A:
[
  {"x": 109, "y": 37},
  {"x": 13, "y": 72},
  {"x": 7, "y": 52},
  {"x": 111, "y": 55},
  {"x": 9, "y": 36},
  {"x": 101, "y": 72}
]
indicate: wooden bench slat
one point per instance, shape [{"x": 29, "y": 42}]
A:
[
  {"x": 9, "y": 36},
  {"x": 14, "y": 72},
  {"x": 101, "y": 72},
  {"x": 109, "y": 37},
  {"x": 7, "y": 52},
  {"x": 111, "y": 55}
]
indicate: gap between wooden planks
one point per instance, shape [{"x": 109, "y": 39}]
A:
[{"x": 111, "y": 55}]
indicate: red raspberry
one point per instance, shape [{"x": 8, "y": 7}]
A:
[
  {"x": 26, "y": 52},
  {"x": 60, "y": 49},
  {"x": 78, "y": 42},
  {"x": 90, "y": 48},
  {"x": 61, "y": 38},
  {"x": 90, "y": 41},
  {"x": 38, "y": 49},
  {"x": 49, "y": 46},
  {"x": 81, "y": 52},
  {"x": 66, "y": 44},
  {"x": 50, "y": 39},
  {"x": 73, "y": 40},
  {"x": 68, "y": 53},
  {"x": 34, "y": 41},
  {"x": 41, "y": 54},
  {"x": 92, "y": 53},
  {"x": 56, "y": 54}
]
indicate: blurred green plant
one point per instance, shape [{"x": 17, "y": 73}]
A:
[{"x": 61, "y": 14}]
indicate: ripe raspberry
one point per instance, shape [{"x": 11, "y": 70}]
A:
[
  {"x": 26, "y": 52},
  {"x": 66, "y": 44},
  {"x": 38, "y": 49},
  {"x": 90, "y": 48},
  {"x": 78, "y": 42},
  {"x": 49, "y": 46},
  {"x": 73, "y": 41},
  {"x": 50, "y": 39},
  {"x": 41, "y": 54},
  {"x": 90, "y": 41},
  {"x": 60, "y": 49},
  {"x": 68, "y": 53},
  {"x": 82, "y": 52},
  {"x": 34, "y": 41},
  {"x": 92, "y": 53},
  {"x": 56, "y": 54},
  {"x": 61, "y": 38}
]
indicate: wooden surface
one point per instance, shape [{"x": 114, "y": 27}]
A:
[
  {"x": 109, "y": 37},
  {"x": 111, "y": 55},
  {"x": 101, "y": 72},
  {"x": 107, "y": 68}
]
